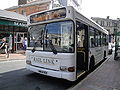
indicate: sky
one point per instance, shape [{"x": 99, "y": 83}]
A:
[
  {"x": 8, "y": 3},
  {"x": 90, "y": 8},
  {"x": 101, "y": 8}
]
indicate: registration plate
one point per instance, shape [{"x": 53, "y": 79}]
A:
[
  {"x": 43, "y": 60},
  {"x": 42, "y": 72}
]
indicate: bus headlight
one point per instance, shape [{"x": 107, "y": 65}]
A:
[
  {"x": 63, "y": 68},
  {"x": 28, "y": 62}
]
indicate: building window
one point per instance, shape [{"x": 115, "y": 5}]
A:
[
  {"x": 108, "y": 24},
  {"x": 96, "y": 21},
  {"x": 23, "y": 12},
  {"x": 102, "y": 23},
  {"x": 115, "y": 24}
]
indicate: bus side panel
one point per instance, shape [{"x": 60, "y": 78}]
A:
[{"x": 98, "y": 53}]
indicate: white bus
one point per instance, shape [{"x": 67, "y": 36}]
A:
[{"x": 63, "y": 43}]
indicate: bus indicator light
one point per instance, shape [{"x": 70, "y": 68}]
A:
[
  {"x": 28, "y": 62},
  {"x": 71, "y": 69}
]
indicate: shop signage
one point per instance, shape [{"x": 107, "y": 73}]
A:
[
  {"x": 20, "y": 24},
  {"x": 11, "y": 23}
]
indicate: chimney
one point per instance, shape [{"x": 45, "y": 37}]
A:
[
  {"x": 108, "y": 17},
  {"x": 20, "y": 2}
]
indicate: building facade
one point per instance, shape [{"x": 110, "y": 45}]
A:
[
  {"x": 27, "y": 7},
  {"x": 110, "y": 25},
  {"x": 13, "y": 27},
  {"x": 20, "y": 2},
  {"x": 31, "y": 1}
]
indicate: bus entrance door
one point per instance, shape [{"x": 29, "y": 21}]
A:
[{"x": 82, "y": 44}]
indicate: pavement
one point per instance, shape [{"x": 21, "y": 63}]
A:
[
  {"x": 106, "y": 77},
  {"x": 12, "y": 56}
]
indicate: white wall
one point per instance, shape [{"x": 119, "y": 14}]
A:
[{"x": 75, "y": 3}]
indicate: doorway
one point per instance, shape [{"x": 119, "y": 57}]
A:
[
  {"x": 82, "y": 47},
  {"x": 19, "y": 39}
]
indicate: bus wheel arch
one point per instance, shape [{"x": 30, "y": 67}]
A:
[{"x": 91, "y": 62}]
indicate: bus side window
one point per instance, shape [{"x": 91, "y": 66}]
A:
[
  {"x": 92, "y": 42},
  {"x": 104, "y": 42},
  {"x": 80, "y": 34},
  {"x": 92, "y": 37},
  {"x": 98, "y": 38}
]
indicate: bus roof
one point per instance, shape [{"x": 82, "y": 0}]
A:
[
  {"x": 90, "y": 22},
  {"x": 79, "y": 16}
]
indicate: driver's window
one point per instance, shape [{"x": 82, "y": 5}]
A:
[{"x": 80, "y": 34}]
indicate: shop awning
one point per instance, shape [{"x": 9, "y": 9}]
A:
[
  {"x": 117, "y": 34},
  {"x": 12, "y": 23},
  {"x": 6, "y": 32}
]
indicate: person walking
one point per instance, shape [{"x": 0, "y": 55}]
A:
[
  {"x": 3, "y": 48},
  {"x": 3, "y": 43},
  {"x": 25, "y": 43}
]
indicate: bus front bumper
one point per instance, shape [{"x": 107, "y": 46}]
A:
[{"x": 71, "y": 76}]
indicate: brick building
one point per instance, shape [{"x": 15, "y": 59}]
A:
[
  {"x": 31, "y": 1},
  {"x": 20, "y": 2},
  {"x": 27, "y": 9}
]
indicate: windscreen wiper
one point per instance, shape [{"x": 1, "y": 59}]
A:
[
  {"x": 39, "y": 38},
  {"x": 33, "y": 50},
  {"x": 52, "y": 47}
]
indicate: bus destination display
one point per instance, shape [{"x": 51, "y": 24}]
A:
[{"x": 44, "y": 16}]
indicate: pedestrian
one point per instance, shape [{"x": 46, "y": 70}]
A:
[
  {"x": 25, "y": 43},
  {"x": 10, "y": 43},
  {"x": 3, "y": 46}
]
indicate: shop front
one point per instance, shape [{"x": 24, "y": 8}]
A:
[{"x": 15, "y": 32}]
